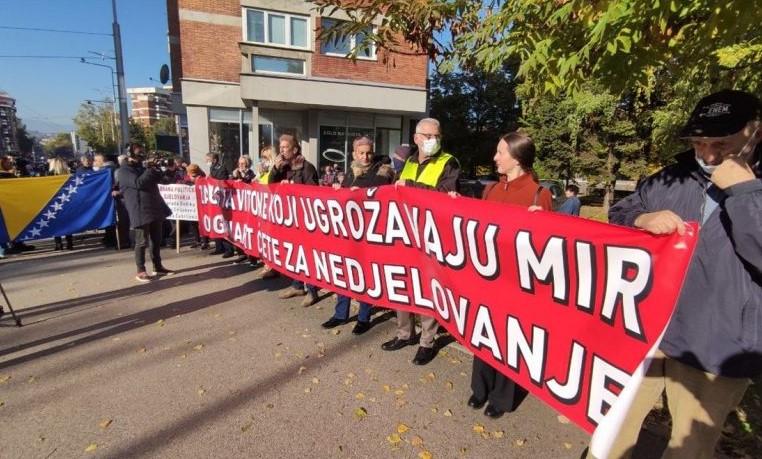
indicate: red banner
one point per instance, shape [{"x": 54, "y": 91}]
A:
[{"x": 566, "y": 307}]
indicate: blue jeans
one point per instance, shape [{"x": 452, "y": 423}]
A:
[
  {"x": 311, "y": 289},
  {"x": 342, "y": 309}
]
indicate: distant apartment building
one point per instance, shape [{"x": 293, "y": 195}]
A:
[
  {"x": 7, "y": 124},
  {"x": 251, "y": 70},
  {"x": 148, "y": 105}
]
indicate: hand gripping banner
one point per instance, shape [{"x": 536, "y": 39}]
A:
[{"x": 566, "y": 307}]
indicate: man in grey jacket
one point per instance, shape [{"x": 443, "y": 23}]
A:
[
  {"x": 712, "y": 345},
  {"x": 139, "y": 187}
]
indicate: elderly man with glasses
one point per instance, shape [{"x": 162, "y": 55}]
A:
[{"x": 427, "y": 167}]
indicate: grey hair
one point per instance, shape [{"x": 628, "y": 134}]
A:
[
  {"x": 431, "y": 121},
  {"x": 362, "y": 140},
  {"x": 246, "y": 158},
  {"x": 121, "y": 160}
]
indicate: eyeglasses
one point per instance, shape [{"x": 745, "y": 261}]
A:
[{"x": 429, "y": 136}]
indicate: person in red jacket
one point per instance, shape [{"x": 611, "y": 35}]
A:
[{"x": 518, "y": 185}]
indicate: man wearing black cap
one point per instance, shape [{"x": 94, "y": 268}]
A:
[
  {"x": 713, "y": 344},
  {"x": 139, "y": 187}
]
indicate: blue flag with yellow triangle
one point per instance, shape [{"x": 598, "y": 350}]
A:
[{"x": 43, "y": 207}]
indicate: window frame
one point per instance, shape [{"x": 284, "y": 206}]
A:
[
  {"x": 268, "y": 72},
  {"x": 352, "y": 44},
  {"x": 287, "y": 31}
]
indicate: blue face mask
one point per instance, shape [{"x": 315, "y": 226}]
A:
[{"x": 398, "y": 164}]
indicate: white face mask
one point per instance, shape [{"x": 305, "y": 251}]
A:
[
  {"x": 163, "y": 169},
  {"x": 430, "y": 146},
  {"x": 707, "y": 168},
  {"x": 96, "y": 168},
  {"x": 209, "y": 163}
]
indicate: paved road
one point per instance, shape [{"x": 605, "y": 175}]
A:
[{"x": 209, "y": 363}]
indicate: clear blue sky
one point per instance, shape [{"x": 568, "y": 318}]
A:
[{"x": 48, "y": 92}]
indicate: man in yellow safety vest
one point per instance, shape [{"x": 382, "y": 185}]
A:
[{"x": 427, "y": 167}]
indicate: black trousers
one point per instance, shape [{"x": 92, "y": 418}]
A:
[
  {"x": 150, "y": 235},
  {"x": 491, "y": 385}
]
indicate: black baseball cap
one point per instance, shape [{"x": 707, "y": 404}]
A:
[{"x": 722, "y": 114}]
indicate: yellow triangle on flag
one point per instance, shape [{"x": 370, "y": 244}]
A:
[{"x": 22, "y": 199}]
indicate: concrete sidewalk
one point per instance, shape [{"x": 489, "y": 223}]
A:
[{"x": 209, "y": 363}]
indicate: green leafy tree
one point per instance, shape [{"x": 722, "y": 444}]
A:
[
  {"x": 96, "y": 125},
  {"x": 24, "y": 140},
  {"x": 474, "y": 107},
  {"x": 164, "y": 126},
  {"x": 60, "y": 145},
  {"x": 142, "y": 135}
]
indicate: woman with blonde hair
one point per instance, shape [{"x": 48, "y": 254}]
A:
[
  {"x": 265, "y": 164},
  {"x": 58, "y": 166}
]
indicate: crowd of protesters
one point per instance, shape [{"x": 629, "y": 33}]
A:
[{"x": 712, "y": 345}]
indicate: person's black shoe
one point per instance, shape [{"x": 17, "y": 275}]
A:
[
  {"x": 396, "y": 344},
  {"x": 360, "y": 328},
  {"x": 475, "y": 403},
  {"x": 493, "y": 412},
  {"x": 241, "y": 259},
  {"x": 424, "y": 355},
  {"x": 333, "y": 322},
  {"x": 204, "y": 246},
  {"x": 214, "y": 252},
  {"x": 228, "y": 255},
  {"x": 195, "y": 245},
  {"x": 162, "y": 271},
  {"x": 69, "y": 246},
  {"x": 59, "y": 246}
]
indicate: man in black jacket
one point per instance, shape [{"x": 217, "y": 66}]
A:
[
  {"x": 365, "y": 172},
  {"x": 139, "y": 187},
  {"x": 218, "y": 171},
  {"x": 713, "y": 344},
  {"x": 291, "y": 167}
]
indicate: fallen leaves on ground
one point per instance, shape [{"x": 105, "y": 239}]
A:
[
  {"x": 359, "y": 396},
  {"x": 563, "y": 419},
  {"x": 521, "y": 441},
  {"x": 416, "y": 441},
  {"x": 315, "y": 381},
  {"x": 399, "y": 392},
  {"x": 394, "y": 439},
  {"x": 31, "y": 379},
  {"x": 449, "y": 385},
  {"x": 105, "y": 423},
  {"x": 448, "y": 413},
  {"x": 478, "y": 428},
  {"x": 387, "y": 387},
  {"x": 498, "y": 434},
  {"x": 402, "y": 428},
  {"x": 91, "y": 447},
  {"x": 4, "y": 378},
  {"x": 160, "y": 322},
  {"x": 568, "y": 445},
  {"x": 201, "y": 391},
  {"x": 198, "y": 347},
  {"x": 335, "y": 331},
  {"x": 360, "y": 413},
  {"x": 307, "y": 390},
  {"x": 425, "y": 455},
  {"x": 142, "y": 350},
  {"x": 302, "y": 369}
]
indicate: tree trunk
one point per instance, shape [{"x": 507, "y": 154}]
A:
[{"x": 608, "y": 197}]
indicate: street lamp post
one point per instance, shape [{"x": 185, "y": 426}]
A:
[
  {"x": 119, "y": 142},
  {"x": 123, "y": 122}
]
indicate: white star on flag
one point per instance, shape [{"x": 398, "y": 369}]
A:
[
  {"x": 57, "y": 206},
  {"x": 78, "y": 181},
  {"x": 71, "y": 189},
  {"x": 50, "y": 215},
  {"x": 65, "y": 198},
  {"x": 34, "y": 232},
  {"x": 43, "y": 223}
]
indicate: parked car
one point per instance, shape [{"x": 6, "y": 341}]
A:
[
  {"x": 556, "y": 188},
  {"x": 475, "y": 187}
]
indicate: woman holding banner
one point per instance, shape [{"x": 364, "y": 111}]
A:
[{"x": 518, "y": 185}]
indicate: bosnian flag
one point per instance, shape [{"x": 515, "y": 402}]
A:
[{"x": 43, "y": 207}]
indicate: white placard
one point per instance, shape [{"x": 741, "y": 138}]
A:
[{"x": 182, "y": 200}]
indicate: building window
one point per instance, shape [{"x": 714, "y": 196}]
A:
[
  {"x": 277, "y": 29},
  {"x": 229, "y": 135},
  {"x": 343, "y": 45},
  {"x": 270, "y": 64}
]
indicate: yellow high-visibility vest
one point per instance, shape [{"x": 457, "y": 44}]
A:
[
  {"x": 431, "y": 173},
  {"x": 264, "y": 179}
]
